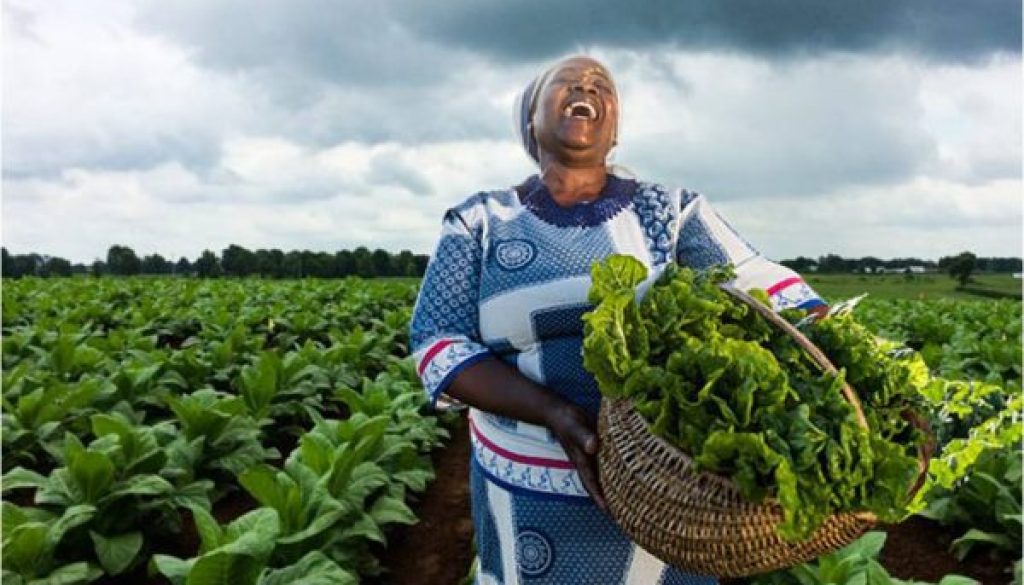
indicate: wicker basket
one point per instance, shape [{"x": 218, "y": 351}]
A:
[{"x": 699, "y": 522}]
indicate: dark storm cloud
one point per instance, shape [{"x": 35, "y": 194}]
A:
[
  {"x": 354, "y": 42},
  {"x": 411, "y": 42},
  {"x": 955, "y": 30}
]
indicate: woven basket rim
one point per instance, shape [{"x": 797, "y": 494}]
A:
[{"x": 711, "y": 477}]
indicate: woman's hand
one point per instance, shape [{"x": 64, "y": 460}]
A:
[
  {"x": 497, "y": 387},
  {"x": 575, "y": 431}
]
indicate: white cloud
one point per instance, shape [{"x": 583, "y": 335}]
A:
[
  {"x": 82, "y": 88},
  {"x": 925, "y": 217},
  {"x": 115, "y": 133},
  {"x": 173, "y": 211}
]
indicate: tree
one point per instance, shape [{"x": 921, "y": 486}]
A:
[
  {"x": 26, "y": 265},
  {"x": 961, "y": 266},
  {"x": 382, "y": 263},
  {"x": 834, "y": 263},
  {"x": 238, "y": 261},
  {"x": 344, "y": 263},
  {"x": 207, "y": 265},
  {"x": 7, "y": 264},
  {"x": 405, "y": 264},
  {"x": 99, "y": 268},
  {"x": 183, "y": 266},
  {"x": 422, "y": 260},
  {"x": 363, "y": 261},
  {"x": 122, "y": 260},
  {"x": 268, "y": 263},
  {"x": 55, "y": 266},
  {"x": 155, "y": 264},
  {"x": 801, "y": 264},
  {"x": 291, "y": 265}
]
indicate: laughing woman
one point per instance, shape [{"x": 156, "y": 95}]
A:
[{"x": 497, "y": 327}]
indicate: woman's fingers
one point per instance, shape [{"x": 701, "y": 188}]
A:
[
  {"x": 586, "y": 466},
  {"x": 585, "y": 438},
  {"x": 574, "y": 430}
]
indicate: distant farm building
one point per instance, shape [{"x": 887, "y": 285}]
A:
[{"x": 911, "y": 269}]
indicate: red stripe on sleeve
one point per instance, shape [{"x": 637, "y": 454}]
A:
[
  {"x": 433, "y": 351},
  {"x": 783, "y": 284}
]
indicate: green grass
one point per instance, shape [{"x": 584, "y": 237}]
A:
[{"x": 927, "y": 286}]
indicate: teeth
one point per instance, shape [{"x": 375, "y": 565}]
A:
[{"x": 591, "y": 111}]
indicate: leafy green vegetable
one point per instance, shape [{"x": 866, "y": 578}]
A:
[
  {"x": 30, "y": 539},
  {"x": 744, "y": 400}
]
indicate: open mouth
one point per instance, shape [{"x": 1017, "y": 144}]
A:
[{"x": 580, "y": 110}]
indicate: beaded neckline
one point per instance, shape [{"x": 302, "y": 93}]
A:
[{"x": 615, "y": 196}]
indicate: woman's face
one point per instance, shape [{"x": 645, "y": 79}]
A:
[{"x": 577, "y": 113}]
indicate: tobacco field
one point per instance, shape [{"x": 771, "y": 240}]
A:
[{"x": 264, "y": 432}]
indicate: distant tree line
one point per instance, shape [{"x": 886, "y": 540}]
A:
[
  {"x": 238, "y": 261},
  {"x": 233, "y": 261},
  {"x": 833, "y": 263}
]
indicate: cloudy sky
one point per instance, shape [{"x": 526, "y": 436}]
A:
[{"x": 882, "y": 127}]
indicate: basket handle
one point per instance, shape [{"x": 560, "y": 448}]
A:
[{"x": 801, "y": 339}]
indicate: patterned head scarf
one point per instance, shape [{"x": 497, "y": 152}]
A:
[{"x": 526, "y": 105}]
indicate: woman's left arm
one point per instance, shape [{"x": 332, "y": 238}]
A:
[{"x": 705, "y": 239}]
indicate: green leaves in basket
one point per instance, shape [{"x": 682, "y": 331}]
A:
[{"x": 744, "y": 400}]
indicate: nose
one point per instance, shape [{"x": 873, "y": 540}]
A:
[{"x": 584, "y": 85}]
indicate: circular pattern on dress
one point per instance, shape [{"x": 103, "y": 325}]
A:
[
  {"x": 514, "y": 254},
  {"x": 533, "y": 553}
]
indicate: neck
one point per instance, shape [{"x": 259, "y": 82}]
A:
[{"x": 570, "y": 185}]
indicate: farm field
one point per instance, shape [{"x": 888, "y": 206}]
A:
[
  {"x": 916, "y": 287},
  {"x": 245, "y": 431}
]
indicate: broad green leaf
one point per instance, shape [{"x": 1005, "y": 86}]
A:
[
  {"x": 116, "y": 553},
  {"x": 963, "y": 545},
  {"x": 364, "y": 479},
  {"x": 263, "y": 483},
  {"x": 957, "y": 580},
  {"x": 73, "y": 574},
  {"x": 313, "y": 569},
  {"x": 141, "y": 485},
  {"x": 253, "y": 533},
  {"x": 14, "y": 516},
  {"x": 224, "y": 568},
  {"x": 867, "y": 546},
  {"x": 364, "y": 527},
  {"x": 92, "y": 474},
  {"x": 173, "y": 568},
  {"x": 388, "y": 510},
  {"x": 71, "y": 518},
  {"x": 211, "y": 536},
  {"x": 25, "y": 549},
  {"x": 20, "y": 477}
]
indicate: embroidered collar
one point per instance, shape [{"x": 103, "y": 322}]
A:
[{"x": 615, "y": 196}]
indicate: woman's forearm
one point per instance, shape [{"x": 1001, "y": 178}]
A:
[{"x": 494, "y": 386}]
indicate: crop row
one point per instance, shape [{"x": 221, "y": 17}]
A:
[
  {"x": 250, "y": 431},
  {"x": 139, "y": 412}
]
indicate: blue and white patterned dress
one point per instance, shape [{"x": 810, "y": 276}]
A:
[{"x": 509, "y": 279}]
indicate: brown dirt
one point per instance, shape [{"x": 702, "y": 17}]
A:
[
  {"x": 919, "y": 549},
  {"x": 437, "y": 550}
]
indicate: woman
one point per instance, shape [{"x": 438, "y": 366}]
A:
[{"x": 497, "y": 327}]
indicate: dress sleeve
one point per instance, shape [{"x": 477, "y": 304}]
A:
[
  {"x": 444, "y": 333},
  {"x": 705, "y": 239}
]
